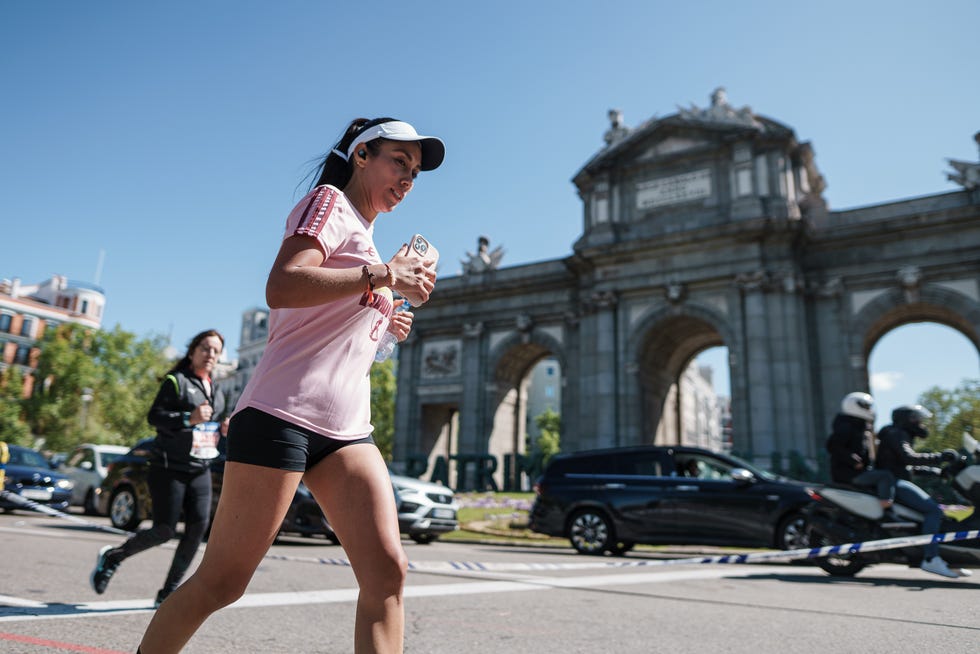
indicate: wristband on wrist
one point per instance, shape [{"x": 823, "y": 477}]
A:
[{"x": 370, "y": 281}]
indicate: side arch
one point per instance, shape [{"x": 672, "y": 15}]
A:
[
  {"x": 512, "y": 357},
  {"x": 509, "y": 363},
  {"x": 662, "y": 343},
  {"x": 893, "y": 309}
]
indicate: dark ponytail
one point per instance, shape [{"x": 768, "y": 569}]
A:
[{"x": 335, "y": 169}]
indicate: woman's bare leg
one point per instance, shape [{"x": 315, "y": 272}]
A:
[
  {"x": 253, "y": 503},
  {"x": 353, "y": 488}
]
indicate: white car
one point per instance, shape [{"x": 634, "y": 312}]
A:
[
  {"x": 86, "y": 466},
  {"x": 425, "y": 510}
]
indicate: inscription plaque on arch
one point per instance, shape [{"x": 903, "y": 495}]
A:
[{"x": 675, "y": 189}]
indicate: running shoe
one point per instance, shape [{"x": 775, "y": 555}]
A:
[
  {"x": 937, "y": 566},
  {"x": 104, "y": 569},
  {"x": 162, "y": 594}
]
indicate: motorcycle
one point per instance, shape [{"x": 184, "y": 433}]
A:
[{"x": 841, "y": 515}]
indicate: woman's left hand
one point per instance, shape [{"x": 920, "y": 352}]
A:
[{"x": 401, "y": 322}]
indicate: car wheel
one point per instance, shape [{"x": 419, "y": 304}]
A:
[
  {"x": 423, "y": 539},
  {"x": 591, "y": 532},
  {"x": 841, "y": 565},
  {"x": 791, "y": 533},
  {"x": 90, "y": 506},
  {"x": 124, "y": 509}
]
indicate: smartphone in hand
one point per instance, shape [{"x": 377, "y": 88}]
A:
[{"x": 420, "y": 246}]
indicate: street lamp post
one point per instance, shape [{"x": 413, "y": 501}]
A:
[{"x": 87, "y": 395}]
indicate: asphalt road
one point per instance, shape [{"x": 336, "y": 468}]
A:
[{"x": 298, "y": 606}]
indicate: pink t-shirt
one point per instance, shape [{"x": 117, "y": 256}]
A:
[{"x": 315, "y": 371}]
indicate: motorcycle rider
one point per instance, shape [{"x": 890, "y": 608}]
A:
[
  {"x": 896, "y": 454},
  {"x": 850, "y": 460}
]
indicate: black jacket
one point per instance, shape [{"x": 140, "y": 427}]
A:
[
  {"x": 180, "y": 393},
  {"x": 848, "y": 447},
  {"x": 895, "y": 453}
]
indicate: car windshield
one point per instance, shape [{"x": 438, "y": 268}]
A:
[
  {"x": 28, "y": 458},
  {"x": 109, "y": 457}
]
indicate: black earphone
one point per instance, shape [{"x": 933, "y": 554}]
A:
[{"x": 362, "y": 154}]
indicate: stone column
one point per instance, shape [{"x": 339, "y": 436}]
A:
[
  {"x": 608, "y": 370},
  {"x": 758, "y": 437},
  {"x": 407, "y": 414},
  {"x": 472, "y": 415}
]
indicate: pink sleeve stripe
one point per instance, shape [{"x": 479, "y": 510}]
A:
[{"x": 316, "y": 214}]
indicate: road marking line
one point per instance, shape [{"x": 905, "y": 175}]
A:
[
  {"x": 341, "y": 595},
  {"x": 71, "y": 647},
  {"x": 10, "y": 600}
]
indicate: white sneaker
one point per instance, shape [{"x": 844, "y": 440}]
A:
[{"x": 937, "y": 566}]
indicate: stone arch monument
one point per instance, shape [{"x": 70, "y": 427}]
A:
[{"x": 702, "y": 228}]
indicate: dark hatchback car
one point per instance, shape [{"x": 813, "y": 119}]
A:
[
  {"x": 609, "y": 500},
  {"x": 125, "y": 497},
  {"x": 29, "y": 475}
]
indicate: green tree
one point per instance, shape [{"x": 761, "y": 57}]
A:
[
  {"x": 94, "y": 386},
  {"x": 129, "y": 372},
  {"x": 383, "y": 387},
  {"x": 64, "y": 368},
  {"x": 549, "y": 441},
  {"x": 13, "y": 429},
  {"x": 953, "y": 412}
]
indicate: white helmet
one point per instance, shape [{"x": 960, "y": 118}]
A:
[{"x": 859, "y": 405}]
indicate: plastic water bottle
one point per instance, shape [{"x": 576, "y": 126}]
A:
[{"x": 386, "y": 346}]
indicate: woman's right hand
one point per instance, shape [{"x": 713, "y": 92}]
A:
[
  {"x": 414, "y": 277},
  {"x": 201, "y": 413}
]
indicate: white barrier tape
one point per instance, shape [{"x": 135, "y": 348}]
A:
[
  {"x": 40, "y": 508},
  {"x": 779, "y": 555},
  {"x": 475, "y": 566}
]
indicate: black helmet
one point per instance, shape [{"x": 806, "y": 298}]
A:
[{"x": 910, "y": 418}]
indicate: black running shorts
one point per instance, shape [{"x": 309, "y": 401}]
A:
[{"x": 264, "y": 440}]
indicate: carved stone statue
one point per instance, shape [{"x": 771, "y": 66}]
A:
[
  {"x": 617, "y": 131},
  {"x": 721, "y": 112},
  {"x": 967, "y": 174},
  {"x": 484, "y": 259}
]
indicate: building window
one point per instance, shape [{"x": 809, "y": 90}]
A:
[
  {"x": 84, "y": 306},
  {"x": 27, "y": 327},
  {"x": 5, "y": 320},
  {"x": 23, "y": 354}
]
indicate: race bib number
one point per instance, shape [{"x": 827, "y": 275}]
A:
[{"x": 205, "y": 444}]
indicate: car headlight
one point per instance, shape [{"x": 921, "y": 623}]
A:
[{"x": 65, "y": 484}]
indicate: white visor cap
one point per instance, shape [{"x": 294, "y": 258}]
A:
[{"x": 433, "y": 149}]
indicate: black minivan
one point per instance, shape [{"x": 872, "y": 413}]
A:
[{"x": 608, "y": 500}]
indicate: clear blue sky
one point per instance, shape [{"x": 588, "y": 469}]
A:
[{"x": 175, "y": 137}]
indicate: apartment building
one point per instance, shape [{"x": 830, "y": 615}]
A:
[{"x": 27, "y": 311}]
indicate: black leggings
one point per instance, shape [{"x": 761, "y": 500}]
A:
[{"x": 173, "y": 494}]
